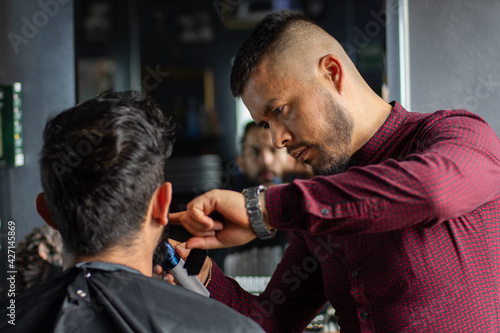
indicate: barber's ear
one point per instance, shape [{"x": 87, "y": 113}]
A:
[
  {"x": 43, "y": 210},
  {"x": 161, "y": 202},
  {"x": 330, "y": 65}
]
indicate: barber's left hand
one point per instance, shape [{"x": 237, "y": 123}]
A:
[
  {"x": 232, "y": 229},
  {"x": 181, "y": 250}
]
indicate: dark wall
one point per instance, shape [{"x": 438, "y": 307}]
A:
[{"x": 44, "y": 63}]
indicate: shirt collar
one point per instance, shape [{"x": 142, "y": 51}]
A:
[{"x": 377, "y": 142}]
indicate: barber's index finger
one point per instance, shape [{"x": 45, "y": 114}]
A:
[
  {"x": 196, "y": 217},
  {"x": 175, "y": 218}
]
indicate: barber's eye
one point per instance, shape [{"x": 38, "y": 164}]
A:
[{"x": 278, "y": 111}]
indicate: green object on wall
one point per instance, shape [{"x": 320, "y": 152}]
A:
[{"x": 11, "y": 130}]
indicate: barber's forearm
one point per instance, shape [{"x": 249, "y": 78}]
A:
[{"x": 450, "y": 177}]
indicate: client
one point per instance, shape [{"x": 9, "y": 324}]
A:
[{"x": 102, "y": 175}]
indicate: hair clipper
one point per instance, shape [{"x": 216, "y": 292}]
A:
[{"x": 174, "y": 265}]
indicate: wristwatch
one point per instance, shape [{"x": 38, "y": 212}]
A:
[{"x": 254, "y": 212}]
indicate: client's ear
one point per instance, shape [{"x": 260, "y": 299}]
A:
[
  {"x": 43, "y": 210},
  {"x": 161, "y": 202}
]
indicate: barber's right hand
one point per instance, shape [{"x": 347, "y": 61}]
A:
[{"x": 232, "y": 229}]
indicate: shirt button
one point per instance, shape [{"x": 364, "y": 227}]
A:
[
  {"x": 354, "y": 274},
  {"x": 363, "y": 315},
  {"x": 325, "y": 211}
]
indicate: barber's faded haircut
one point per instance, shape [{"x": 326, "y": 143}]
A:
[{"x": 266, "y": 38}]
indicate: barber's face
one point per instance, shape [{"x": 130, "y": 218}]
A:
[
  {"x": 303, "y": 116},
  {"x": 261, "y": 161}
]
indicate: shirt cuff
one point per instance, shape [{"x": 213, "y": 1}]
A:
[{"x": 284, "y": 206}]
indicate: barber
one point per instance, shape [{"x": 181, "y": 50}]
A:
[{"x": 399, "y": 230}]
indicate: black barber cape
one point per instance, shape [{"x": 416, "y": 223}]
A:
[{"x": 104, "y": 297}]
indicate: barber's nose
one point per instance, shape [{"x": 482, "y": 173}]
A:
[{"x": 280, "y": 135}]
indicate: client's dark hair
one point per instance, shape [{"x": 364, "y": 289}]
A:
[{"x": 101, "y": 162}]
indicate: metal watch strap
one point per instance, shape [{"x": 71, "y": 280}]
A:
[{"x": 254, "y": 212}]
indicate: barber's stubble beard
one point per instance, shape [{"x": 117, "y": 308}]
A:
[{"x": 340, "y": 137}]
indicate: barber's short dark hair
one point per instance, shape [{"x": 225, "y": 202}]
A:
[
  {"x": 101, "y": 162},
  {"x": 267, "y": 37}
]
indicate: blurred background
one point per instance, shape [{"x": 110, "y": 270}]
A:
[{"x": 427, "y": 54}]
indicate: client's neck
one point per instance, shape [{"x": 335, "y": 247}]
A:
[{"x": 134, "y": 257}]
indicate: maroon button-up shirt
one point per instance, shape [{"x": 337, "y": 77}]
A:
[{"x": 406, "y": 240}]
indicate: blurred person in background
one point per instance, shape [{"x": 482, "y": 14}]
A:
[
  {"x": 39, "y": 257},
  {"x": 260, "y": 162}
]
